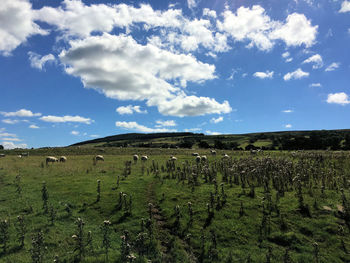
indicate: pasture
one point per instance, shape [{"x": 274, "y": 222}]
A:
[{"x": 266, "y": 207}]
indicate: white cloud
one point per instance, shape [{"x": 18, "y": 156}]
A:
[
  {"x": 286, "y": 54},
  {"x": 212, "y": 133},
  {"x": 33, "y": 126},
  {"x": 20, "y": 113},
  {"x": 16, "y": 25},
  {"x": 254, "y": 25},
  {"x": 298, "y": 74},
  {"x": 217, "y": 120},
  {"x": 264, "y": 75},
  {"x": 140, "y": 128},
  {"x": 287, "y": 111},
  {"x": 288, "y": 126},
  {"x": 316, "y": 60},
  {"x": 37, "y": 61},
  {"x": 129, "y": 110},
  {"x": 345, "y": 7},
  {"x": 296, "y": 31},
  {"x": 67, "y": 118},
  {"x": 11, "y": 139},
  {"x": 11, "y": 145},
  {"x": 333, "y": 66},
  {"x": 6, "y": 134},
  {"x": 338, "y": 98},
  {"x": 94, "y": 136},
  {"x": 208, "y": 12},
  {"x": 10, "y": 121},
  {"x": 191, "y": 4},
  {"x": 126, "y": 70},
  {"x": 313, "y": 85},
  {"x": 74, "y": 133},
  {"x": 167, "y": 123}
]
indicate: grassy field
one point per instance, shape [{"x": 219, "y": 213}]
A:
[{"x": 266, "y": 207}]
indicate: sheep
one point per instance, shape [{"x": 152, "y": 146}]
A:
[
  {"x": 204, "y": 158},
  {"x": 173, "y": 158},
  {"x": 25, "y": 154},
  {"x": 63, "y": 159},
  {"x": 98, "y": 158},
  {"x": 2, "y": 155},
  {"x": 144, "y": 158},
  {"x": 51, "y": 159},
  {"x": 253, "y": 151},
  {"x": 198, "y": 159},
  {"x": 136, "y": 158},
  {"x": 225, "y": 156},
  {"x": 213, "y": 152},
  {"x": 195, "y": 154}
]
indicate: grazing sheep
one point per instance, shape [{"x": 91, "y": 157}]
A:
[
  {"x": 2, "y": 155},
  {"x": 173, "y": 158},
  {"x": 213, "y": 152},
  {"x": 97, "y": 158},
  {"x": 63, "y": 159},
  {"x": 198, "y": 159},
  {"x": 204, "y": 158},
  {"x": 144, "y": 158},
  {"x": 51, "y": 159},
  {"x": 195, "y": 154},
  {"x": 136, "y": 158},
  {"x": 253, "y": 151},
  {"x": 225, "y": 156},
  {"x": 24, "y": 154}
]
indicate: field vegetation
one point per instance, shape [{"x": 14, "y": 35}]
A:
[{"x": 271, "y": 206}]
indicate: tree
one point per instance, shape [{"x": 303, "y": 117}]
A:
[
  {"x": 1, "y": 147},
  {"x": 203, "y": 144}
]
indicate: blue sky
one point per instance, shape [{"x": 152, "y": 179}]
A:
[{"x": 75, "y": 70}]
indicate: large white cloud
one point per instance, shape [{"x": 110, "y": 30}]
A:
[
  {"x": 345, "y": 7},
  {"x": 141, "y": 128},
  {"x": 316, "y": 60},
  {"x": 67, "y": 118},
  {"x": 338, "y": 98},
  {"x": 16, "y": 24},
  {"x": 296, "y": 31},
  {"x": 298, "y": 74},
  {"x": 20, "y": 113},
  {"x": 122, "y": 69},
  {"x": 256, "y": 27}
]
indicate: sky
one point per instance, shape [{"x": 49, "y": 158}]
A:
[{"x": 75, "y": 70}]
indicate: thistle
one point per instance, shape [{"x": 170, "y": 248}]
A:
[
  {"x": 106, "y": 240},
  {"x": 98, "y": 191},
  {"x": 37, "y": 247},
  {"x": 45, "y": 197},
  {"x": 21, "y": 230},
  {"x": 4, "y": 234}
]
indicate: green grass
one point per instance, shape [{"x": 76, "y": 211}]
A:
[{"x": 75, "y": 183}]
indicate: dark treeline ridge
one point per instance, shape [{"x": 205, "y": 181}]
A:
[{"x": 283, "y": 140}]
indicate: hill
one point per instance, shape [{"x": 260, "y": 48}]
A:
[{"x": 280, "y": 140}]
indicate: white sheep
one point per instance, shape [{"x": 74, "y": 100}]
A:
[
  {"x": 144, "y": 158},
  {"x": 51, "y": 159},
  {"x": 63, "y": 159}
]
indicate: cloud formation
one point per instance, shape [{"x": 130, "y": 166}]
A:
[
  {"x": 264, "y": 75},
  {"x": 168, "y": 123},
  {"x": 316, "y": 60},
  {"x": 338, "y": 98},
  {"x": 20, "y": 113},
  {"x": 333, "y": 66},
  {"x": 298, "y": 74},
  {"x": 126, "y": 70},
  {"x": 141, "y": 128},
  {"x": 129, "y": 110},
  {"x": 16, "y": 25},
  {"x": 67, "y": 118},
  {"x": 217, "y": 120},
  {"x": 37, "y": 61},
  {"x": 345, "y": 7}
]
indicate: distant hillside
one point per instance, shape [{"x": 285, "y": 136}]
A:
[{"x": 280, "y": 140}]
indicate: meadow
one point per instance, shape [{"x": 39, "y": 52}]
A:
[{"x": 274, "y": 206}]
